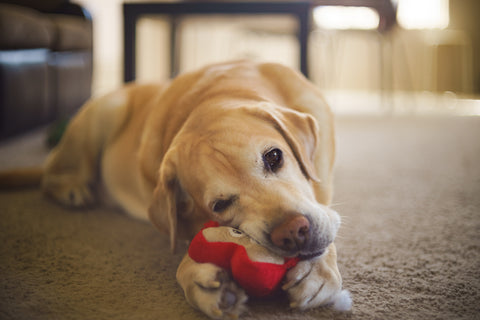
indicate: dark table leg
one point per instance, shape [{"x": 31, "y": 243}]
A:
[
  {"x": 304, "y": 30},
  {"x": 129, "y": 45}
]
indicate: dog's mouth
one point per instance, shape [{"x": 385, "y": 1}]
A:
[
  {"x": 309, "y": 256},
  {"x": 302, "y": 256}
]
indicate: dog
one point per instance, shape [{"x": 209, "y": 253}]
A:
[{"x": 250, "y": 145}]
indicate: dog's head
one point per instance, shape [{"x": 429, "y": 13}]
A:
[{"x": 252, "y": 168}]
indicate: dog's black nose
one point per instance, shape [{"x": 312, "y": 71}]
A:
[{"x": 292, "y": 234}]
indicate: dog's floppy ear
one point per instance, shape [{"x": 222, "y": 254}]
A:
[
  {"x": 168, "y": 200},
  {"x": 301, "y": 132}
]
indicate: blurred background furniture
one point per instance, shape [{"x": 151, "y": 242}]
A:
[
  {"x": 174, "y": 10},
  {"x": 301, "y": 10},
  {"x": 45, "y": 62}
]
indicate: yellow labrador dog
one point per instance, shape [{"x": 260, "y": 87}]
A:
[{"x": 248, "y": 145}]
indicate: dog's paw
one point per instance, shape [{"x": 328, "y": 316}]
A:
[
  {"x": 312, "y": 284},
  {"x": 216, "y": 294},
  {"x": 69, "y": 190}
]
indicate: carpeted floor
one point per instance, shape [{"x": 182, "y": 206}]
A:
[{"x": 408, "y": 190}]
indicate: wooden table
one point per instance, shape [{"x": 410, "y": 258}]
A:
[{"x": 301, "y": 10}]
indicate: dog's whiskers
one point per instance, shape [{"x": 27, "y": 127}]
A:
[{"x": 332, "y": 205}]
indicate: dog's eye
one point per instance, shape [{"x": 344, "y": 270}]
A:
[
  {"x": 222, "y": 204},
  {"x": 236, "y": 233},
  {"x": 273, "y": 159}
]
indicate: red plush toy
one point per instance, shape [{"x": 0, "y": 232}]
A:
[{"x": 252, "y": 266}]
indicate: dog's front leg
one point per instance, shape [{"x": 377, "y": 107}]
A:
[
  {"x": 210, "y": 289},
  {"x": 74, "y": 166},
  {"x": 317, "y": 282}
]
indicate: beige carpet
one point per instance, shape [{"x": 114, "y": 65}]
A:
[{"x": 408, "y": 190}]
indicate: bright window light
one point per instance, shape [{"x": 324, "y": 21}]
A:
[
  {"x": 423, "y": 14},
  {"x": 338, "y": 17}
]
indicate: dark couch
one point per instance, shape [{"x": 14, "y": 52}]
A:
[{"x": 45, "y": 62}]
